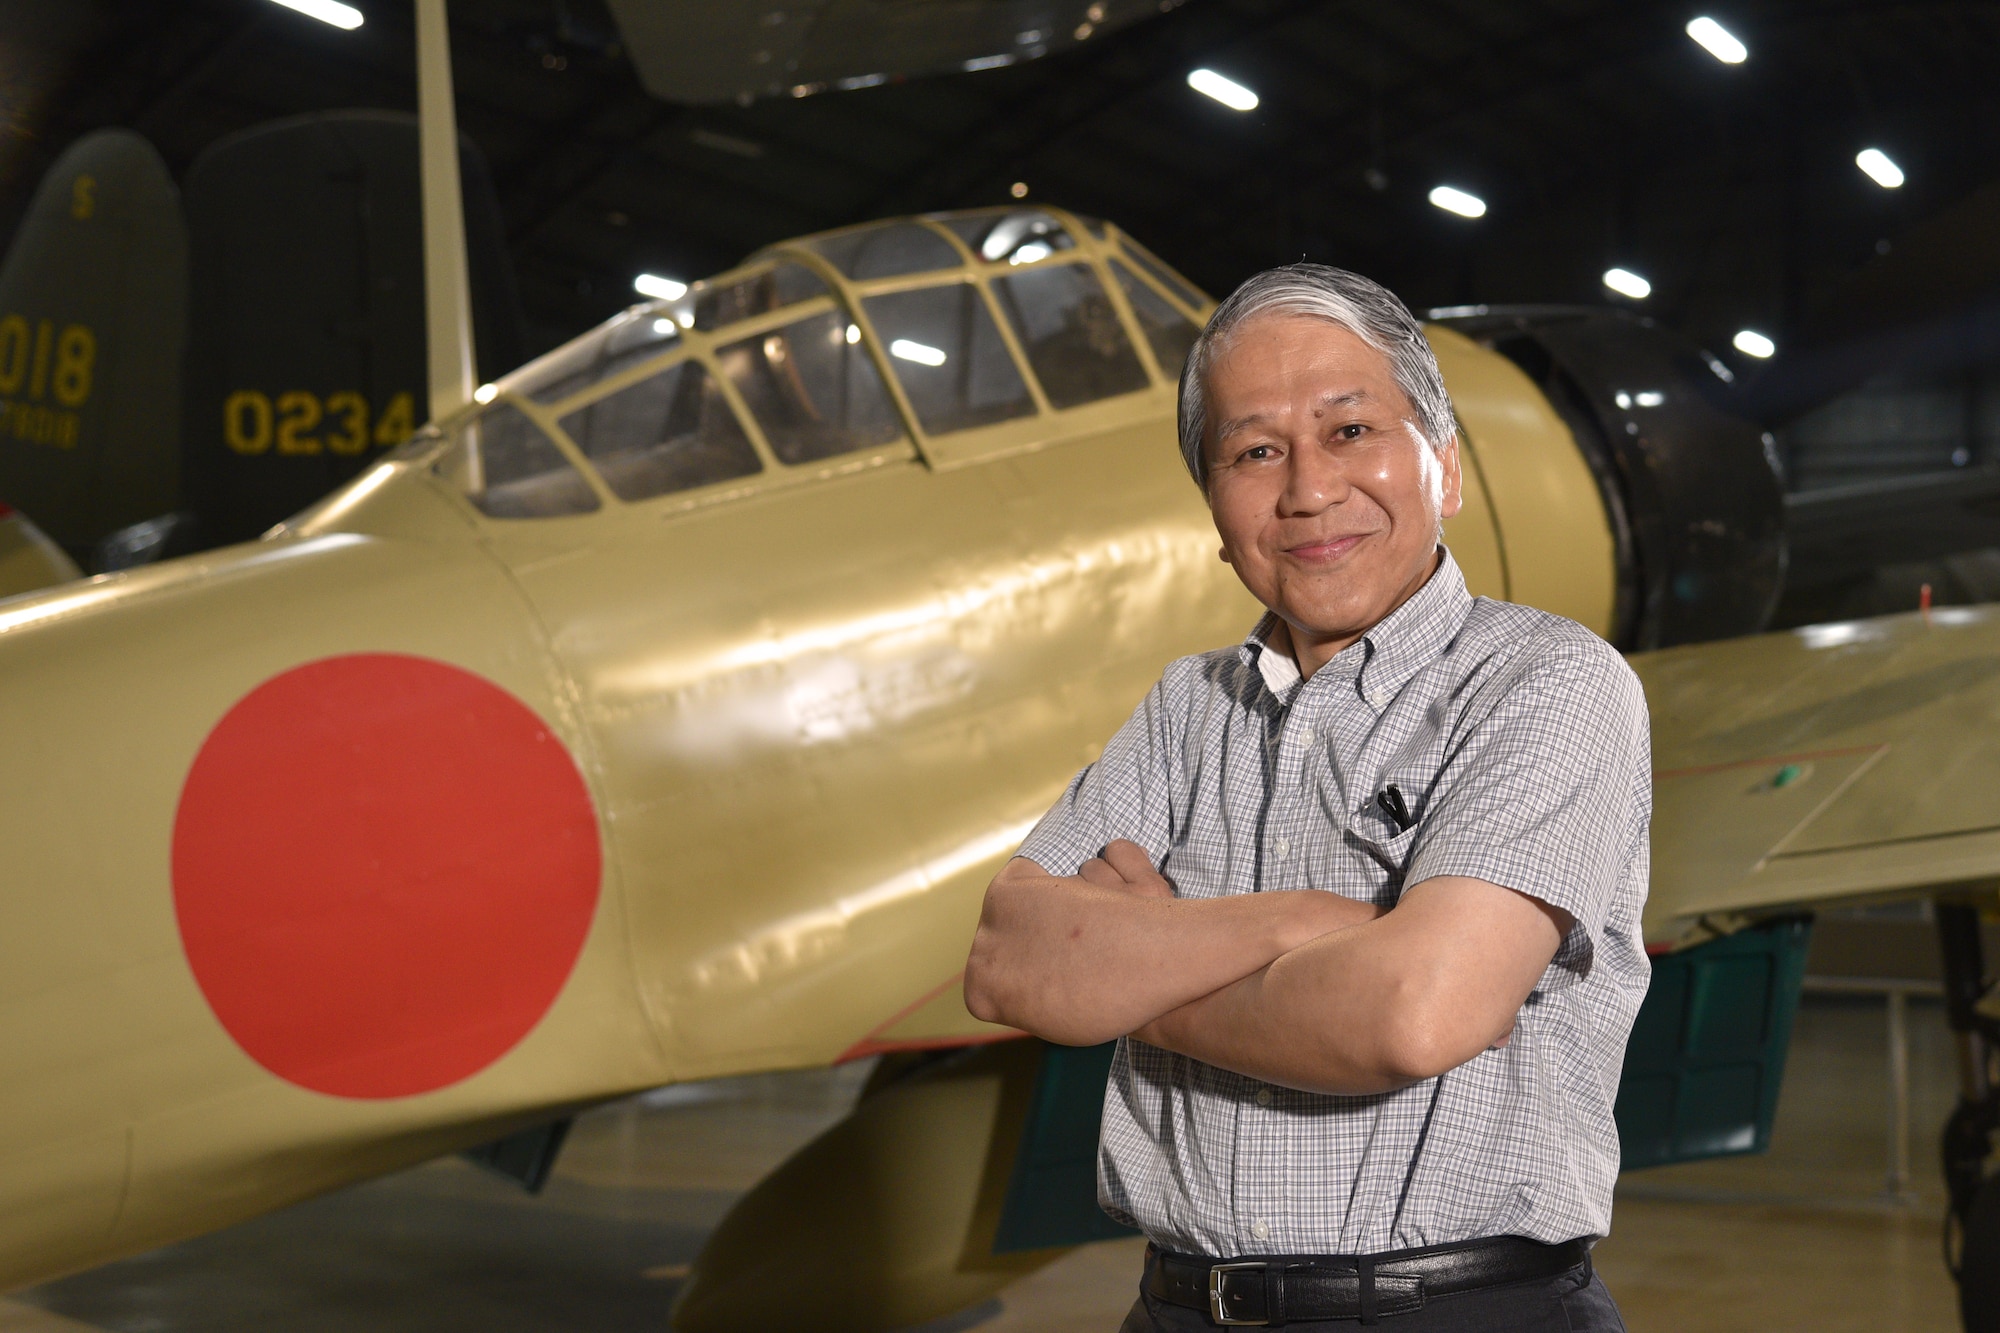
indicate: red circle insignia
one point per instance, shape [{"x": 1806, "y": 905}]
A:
[{"x": 384, "y": 868}]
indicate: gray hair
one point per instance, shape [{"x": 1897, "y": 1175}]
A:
[{"x": 1364, "y": 308}]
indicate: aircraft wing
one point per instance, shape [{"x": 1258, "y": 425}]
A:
[{"x": 1833, "y": 763}]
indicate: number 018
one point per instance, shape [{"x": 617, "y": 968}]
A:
[{"x": 301, "y": 423}]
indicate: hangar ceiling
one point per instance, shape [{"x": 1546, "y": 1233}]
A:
[{"x": 1595, "y": 130}]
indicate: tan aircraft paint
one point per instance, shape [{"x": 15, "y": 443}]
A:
[
  {"x": 1852, "y": 760},
  {"x": 28, "y": 559},
  {"x": 815, "y": 709}
]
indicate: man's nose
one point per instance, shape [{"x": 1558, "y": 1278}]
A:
[{"x": 1315, "y": 480}]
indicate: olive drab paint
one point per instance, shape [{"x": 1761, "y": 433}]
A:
[
  {"x": 93, "y": 313},
  {"x": 306, "y": 351}
]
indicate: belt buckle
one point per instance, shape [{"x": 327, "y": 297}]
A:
[{"x": 1217, "y": 1275}]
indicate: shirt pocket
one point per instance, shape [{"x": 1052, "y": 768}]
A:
[
  {"x": 1375, "y": 834},
  {"x": 1390, "y": 856}
]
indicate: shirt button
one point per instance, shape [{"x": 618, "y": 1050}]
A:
[
  {"x": 1378, "y": 697},
  {"x": 1284, "y": 848},
  {"x": 1263, "y": 1096},
  {"x": 1259, "y": 1230}
]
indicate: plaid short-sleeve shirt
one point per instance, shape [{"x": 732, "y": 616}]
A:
[{"x": 1519, "y": 742}]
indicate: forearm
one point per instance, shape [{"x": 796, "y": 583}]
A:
[
  {"x": 1296, "y": 1027},
  {"x": 1389, "y": 1003},
  {"x": 1077, "y": 964}
]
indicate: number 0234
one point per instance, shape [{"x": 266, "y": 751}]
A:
[{"x": 300, "y": 423}]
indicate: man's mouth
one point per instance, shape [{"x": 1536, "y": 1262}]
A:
[{"x": 1325, "y": 550}]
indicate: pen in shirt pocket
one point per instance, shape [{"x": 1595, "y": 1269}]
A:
[{"x": 1390, "y": 799}]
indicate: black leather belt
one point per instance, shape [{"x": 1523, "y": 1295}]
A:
[{"x": 1279, "y": 1290}]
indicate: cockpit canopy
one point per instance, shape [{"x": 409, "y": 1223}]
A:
[{"x": 940, "y": 337}]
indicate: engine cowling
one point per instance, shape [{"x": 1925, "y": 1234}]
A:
[{"x": 1690, "y": 486}]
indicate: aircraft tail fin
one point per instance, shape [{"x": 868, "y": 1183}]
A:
[
  {"x": 287, "y": 399},
  {"x": 93, "y": 309}
]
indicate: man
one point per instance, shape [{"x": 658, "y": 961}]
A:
[{"x": 1390, "y": 1102}]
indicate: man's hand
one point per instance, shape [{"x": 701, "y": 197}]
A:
[
  {"x": 1420, "y": 991},
  {"x": 1126, "y": 868},
  {"x": 1081, "y": 959}
]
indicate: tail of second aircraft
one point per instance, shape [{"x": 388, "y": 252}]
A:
[{"x": 93, "y": 308}]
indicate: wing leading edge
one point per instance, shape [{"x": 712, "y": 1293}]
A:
[{"x": 1832, "y": 763}]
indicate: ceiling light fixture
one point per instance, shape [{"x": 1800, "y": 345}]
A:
[
  {"x": 1752, "y": 343},
  {"x": 659, "y": 288},
  {"x": 1879, "y": 167},
  {"x": 921, "y": 353},
  {"x": 485, "y": 393},
  {"x": 327, "y": 11},
  {"x": 1627, "y": 283},
  {"x": 1226, "y": 91},
  {"x": 1717, "y": 40},
  {"x": 1457, "y": 201}
]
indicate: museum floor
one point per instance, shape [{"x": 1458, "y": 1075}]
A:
[{"x": 1802, "y": 1238}]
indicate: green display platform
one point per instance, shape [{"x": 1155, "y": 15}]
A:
[
  {"x": 1052, "y": 1199},
  {"x": 1707, "y": 1052}
]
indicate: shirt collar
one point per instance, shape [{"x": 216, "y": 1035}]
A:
[
  {"x": 1279, "y": 669},
  {"x": 1384, "y": 658}
]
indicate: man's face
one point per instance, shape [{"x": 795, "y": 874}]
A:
[{"x": 1324, "y": 490}]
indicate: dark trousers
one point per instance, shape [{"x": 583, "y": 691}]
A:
[{"x": 1575, "y": 1302}]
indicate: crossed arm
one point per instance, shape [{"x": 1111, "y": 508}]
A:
[{"x": 1305, "y": 989}]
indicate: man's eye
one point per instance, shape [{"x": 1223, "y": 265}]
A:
[
  {"x": 1256, "y": 453},
  {"x": 1353, "y": 430}
]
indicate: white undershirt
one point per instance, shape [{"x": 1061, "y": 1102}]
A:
[{"x": 1281, "y": 672}]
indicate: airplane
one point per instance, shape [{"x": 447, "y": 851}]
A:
[
  {"x": 661, "y": 711},
  {"x": 550, "y": 761}
]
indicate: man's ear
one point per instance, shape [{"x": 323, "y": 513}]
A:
[
  {"x": 1208, "y": 494},
  {"x": 1452, "y": 497}
]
